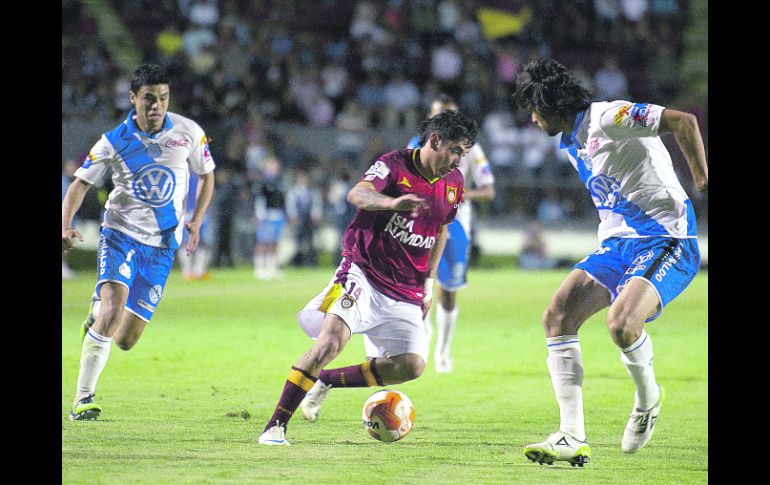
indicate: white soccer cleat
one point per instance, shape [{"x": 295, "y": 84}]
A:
[
  {"x": 559, "y": 446},
  {"x": 640, "y": 427},
  {"x": 311, "y": 405},
  {"x": 274, "y": 436}
]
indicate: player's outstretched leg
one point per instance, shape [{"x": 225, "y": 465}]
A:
[
  {"x": 559, "y": 446},
  {"x": 362, "y": 375}
]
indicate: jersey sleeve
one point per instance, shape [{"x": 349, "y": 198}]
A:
[
  {"x": 481, "y": 170},
  {"x": 631, "y": 120},
  {"x": 379, "y": 174},
  {"x": 200, "y": 158},
  {"x": 98, "y": 162}
]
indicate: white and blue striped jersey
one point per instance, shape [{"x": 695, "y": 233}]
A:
[
  {"x": 475, "y": 167},
  {"x": 627, "y": 169},
  {"x": 151, "y": 177}
]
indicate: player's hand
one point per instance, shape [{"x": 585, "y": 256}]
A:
[
  {"x": 426, "y": 308},
  {"x": 193, "y": 230},
  {"x": 68, "y": 237},
  {"x": 409, "y": 202}
]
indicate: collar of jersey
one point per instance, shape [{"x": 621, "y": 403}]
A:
[
  {"x": 133, "y": 128},
  {"x": 571, "y": 140},
  {"x": 414, "y": 162}
]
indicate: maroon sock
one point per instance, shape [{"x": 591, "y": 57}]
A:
[
  {"x": 297, "y": 385},
  {"x": 361, "y": 375}
]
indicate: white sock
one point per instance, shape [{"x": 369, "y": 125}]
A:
[
  {"x": 565, "y": 363},
  {"x": 445, "y": 327},
  {"x": 271, "y": 263},
  {"x": 93, "y": 358},
  {"x": 259, "y": 265},
  {"x": 200, "y": 261},
  {"x": 637, "y": 358},
  {"x": 185, "y": 261}
]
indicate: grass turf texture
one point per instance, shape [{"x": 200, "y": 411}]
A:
[{"x": 187, "y": 404}]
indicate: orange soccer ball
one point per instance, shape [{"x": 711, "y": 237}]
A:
[{"x": 388, "y": 415}]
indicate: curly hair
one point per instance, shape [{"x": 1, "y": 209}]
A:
[
  {"x": 449, "y": 125},
  {"x": 547, "y": 87},
  {"x": 148, "y": 74}
]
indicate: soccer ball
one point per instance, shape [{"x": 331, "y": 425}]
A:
[{"x": 388, "y": 415}]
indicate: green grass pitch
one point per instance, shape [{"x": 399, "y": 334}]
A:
[{"x": 186, "y": 405}]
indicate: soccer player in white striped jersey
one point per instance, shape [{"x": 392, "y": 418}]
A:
[
  {"x": 649, "y": 249},
  {"x": 151, "y": 155}
]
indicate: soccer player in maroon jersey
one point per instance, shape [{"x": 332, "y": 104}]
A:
[{"x": 382, "y": 287}]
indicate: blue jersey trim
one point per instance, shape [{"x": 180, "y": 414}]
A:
[
  {"x": 692, "y": 225},
  {"x": 638, "y": 220},
  {"x": 571, "y": 140},
  {"x": 414, "y": 142}
]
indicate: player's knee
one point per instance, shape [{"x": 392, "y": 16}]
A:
[
  {"x": 110, "y": 314},
  {"x": 325, "y": 350},
  {"x": 125, "y": 343},
  {"x": 622, "y": 327},
  {"x": 553, "y": 321},
  {"x": 411, "y": 368}
]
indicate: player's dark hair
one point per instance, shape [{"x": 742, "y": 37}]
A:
[
  {"x": 449, "y": 125},
  {"x": 148, "y": 74},
  {"x": 547, "y": 87}
]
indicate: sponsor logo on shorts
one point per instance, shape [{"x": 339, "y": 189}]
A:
[
  {"x": 155, "y": 293},
  {"x": 145, "y": 305},
  {"x": 668, "y": 263}
]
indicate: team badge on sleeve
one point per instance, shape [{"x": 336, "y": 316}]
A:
[
  {"x": 451, "y": 194},
  {"x": 379, "y": 170},
  {"x": 637, "y": 114}
]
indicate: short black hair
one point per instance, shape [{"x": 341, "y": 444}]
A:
[
  {"x": 547, "y": 87},
  {"x": 148, "y": 74},
  {"x": 450, "y": 125}
]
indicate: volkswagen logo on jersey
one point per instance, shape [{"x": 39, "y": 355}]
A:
[
  {"x": 154, "y": 185},
  {"x": 154, "y": 150}
]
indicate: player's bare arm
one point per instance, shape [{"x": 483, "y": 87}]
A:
[
  {"x": 485, "y": 192},
  {"x": 684, "y": 127},
  {"x": 364, "y": 196},
  {"x": 202, "y": 201},
  {"x": 435, "y": 257},
  {"x": 73, "y": 199}
]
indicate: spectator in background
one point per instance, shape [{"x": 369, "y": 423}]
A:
[
  {"x": 222, "y": 204},
  {"x": 446, "y": 64},
  {"x": 534, "y": 251},
  {"x": 550, "y": 211},
  {"x": 67, "y": 175},
  {"x": 351, "y": 123},
  {"x": 536, "y": 148},
  {"x": 342, "y": 211},
  {"x": 304, "y": 207},
  {"x": 402, "y": 98},
  {"x": 334, "y": 83},
  {"x": 270, "y": 214},
  {"x": 610, "y": 81},
  {"x": 195, "y": 266}
]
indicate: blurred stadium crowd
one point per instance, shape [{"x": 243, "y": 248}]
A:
[{"x": 362, "y": 74}]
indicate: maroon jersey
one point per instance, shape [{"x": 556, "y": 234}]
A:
[{"x": 389, "y": 246}]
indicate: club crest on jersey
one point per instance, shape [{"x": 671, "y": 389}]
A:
[
  {"x": 451, "y": 194},
  {"x": 153, "y": 150},
  {"x": 154, "y": 185}
]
